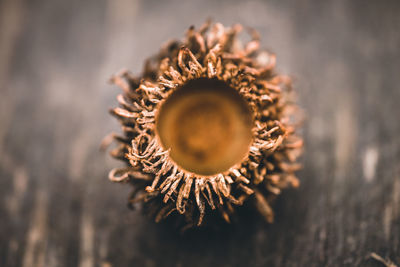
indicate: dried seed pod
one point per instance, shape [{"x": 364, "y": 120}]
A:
[{"x": 209, "y": 125}]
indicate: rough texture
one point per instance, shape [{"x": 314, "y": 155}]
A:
[
  {"x": 57, "y": 207},
  {"x": 211, "y": 53}
]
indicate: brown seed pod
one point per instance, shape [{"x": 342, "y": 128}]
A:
[{"x": 207, "y": 126}]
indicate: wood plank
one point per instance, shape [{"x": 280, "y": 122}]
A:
[{"x": 57, "y": 207}]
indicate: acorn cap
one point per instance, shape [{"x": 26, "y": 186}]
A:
[{"x": 209, "y": 125}]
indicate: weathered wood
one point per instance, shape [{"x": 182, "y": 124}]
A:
[{"x": 58, "y": 208}]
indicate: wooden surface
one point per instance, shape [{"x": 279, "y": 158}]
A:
[{"x": 58, "y": 208}]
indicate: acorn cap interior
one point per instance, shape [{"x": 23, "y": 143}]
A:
[{"x": 207, "y": 126}]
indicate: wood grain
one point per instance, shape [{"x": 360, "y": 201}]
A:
[{"x": 58, "y": 208}]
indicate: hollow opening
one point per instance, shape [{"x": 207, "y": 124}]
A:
[{"x": 207, "y": 126}]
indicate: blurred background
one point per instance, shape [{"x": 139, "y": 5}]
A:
[{"x": 59, "y": 209}]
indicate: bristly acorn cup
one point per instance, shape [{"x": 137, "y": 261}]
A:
[{"x": 208, "y": 126}]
